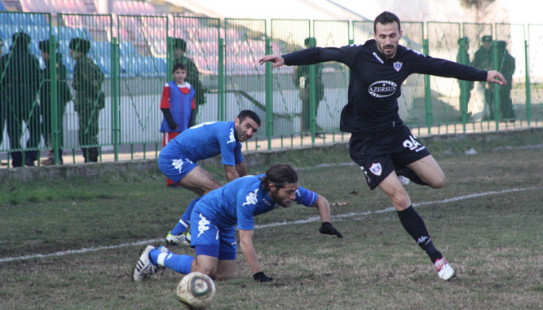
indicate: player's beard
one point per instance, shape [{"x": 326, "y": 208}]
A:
[
  {"x": 240, "y": 135},
  {"x": 283, "y": 203},
  {"x": 390, "y": 53}
]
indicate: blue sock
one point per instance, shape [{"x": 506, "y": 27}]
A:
[
  {"x": 179, "y": 228},
  {"x": 184, "y": 222},
  {"x": 176, "y": 262}
]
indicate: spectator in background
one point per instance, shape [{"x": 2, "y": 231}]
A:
[
  {"x": 21, "y": 81},
  {"x": 177, "y": 105},
  {"x": 483, "y": 60},
  {"x": 62, "y": 97},
  {"x": 193, "y": 75},
  {"x": 89, "y": 98},
  {"x": 301, "y": 80},
  {"x": 463, "y": 58},
  {"x": 506, "y": 65}
]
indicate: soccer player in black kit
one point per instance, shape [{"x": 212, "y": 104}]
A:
[{"x": 380, "y": 143}]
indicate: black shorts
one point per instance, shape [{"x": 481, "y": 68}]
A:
[{"x": 380, "y": 153}]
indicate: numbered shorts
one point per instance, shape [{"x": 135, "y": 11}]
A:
[
  {"x": 208, "y": 239},
  {"x": 378, "y": 154},
  {"x": 175, "y": 168}
]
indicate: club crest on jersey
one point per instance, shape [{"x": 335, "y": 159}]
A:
[
  {"x": 376, "y": 169},
  {"x": 397, "y": 66}
]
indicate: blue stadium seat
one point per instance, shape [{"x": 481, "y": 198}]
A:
[
  {"x": 39, "y": 20},
  {"x": 100, "y": 48},
  {"x": 127, "y": 49},
  {"x": 105, "y": 65},
  {"x": 127, "y": 66},
  {"x": 4, "y": 19}
]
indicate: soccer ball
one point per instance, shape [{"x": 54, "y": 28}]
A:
[{"x": 196, "y": 290}]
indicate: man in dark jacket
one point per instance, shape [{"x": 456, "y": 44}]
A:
[
  {"x": 53, "y": 129},
  {"x": 506, "y": 65},
  {"x": 89, "y": 98},
  {"x": 21, "y": 81}
]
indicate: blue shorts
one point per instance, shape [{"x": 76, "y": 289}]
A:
[
  {"x": 175, "y": 168},
  {"x": 208, "y": 239}
]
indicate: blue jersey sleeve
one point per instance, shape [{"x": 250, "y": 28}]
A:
[
  {"x": 306, "y": 197},
  {"x": 228, "y": 144}
]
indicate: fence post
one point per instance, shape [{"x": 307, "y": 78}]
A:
[
  {"x": 427, "y": 90},
  {"x": 312, "y": 97},
  {"x": 269, "y": 95},
  {"x": 114, "y": 95},
  {"x": 463, "y": 86},
  {"x": 221, "y": 94},
  {"x": 495, "y": 87},
  {"x": 528, "y": 91},
  {"x": 53, "y": 78}
]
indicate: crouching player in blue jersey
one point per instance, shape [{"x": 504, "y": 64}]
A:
[
  {"x": 179, "y": 160},
  {"x": 214, "y": 219}
]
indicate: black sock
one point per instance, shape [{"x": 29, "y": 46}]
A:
[
  {"x": 411, "y": 175},
  {"x": 414, "y": 225}
]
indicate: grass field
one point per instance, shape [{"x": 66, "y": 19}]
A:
[{"x": 81, "y": 239}]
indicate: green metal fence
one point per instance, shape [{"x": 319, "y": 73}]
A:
[{"x": 110, "y": 79}]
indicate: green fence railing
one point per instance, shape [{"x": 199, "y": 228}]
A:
[{"x": 111, "y": 70}]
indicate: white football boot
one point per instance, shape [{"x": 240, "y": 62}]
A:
[
  {"x": 444, "y": 270},
  {"x": 182, "y": 239},
  {"x": 144, "y": 267}
]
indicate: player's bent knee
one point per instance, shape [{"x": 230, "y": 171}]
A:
[
  {"x": 438, "y": 182},
  {"x": 225, "y": 275},
  {"x": 211, "y": 272}
]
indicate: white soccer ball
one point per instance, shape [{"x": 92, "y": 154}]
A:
[{"x": 196, "y": 290}]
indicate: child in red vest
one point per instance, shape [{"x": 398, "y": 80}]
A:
[{"x": 177, "y": 105}]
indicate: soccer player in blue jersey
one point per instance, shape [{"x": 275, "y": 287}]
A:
[
  {"x": 381, "y": 144},
  {"x": 178, "y": 160},
  {"x": 215, "y": 217}
]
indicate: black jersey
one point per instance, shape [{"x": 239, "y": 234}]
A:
[{"x": 375, "y": 81}]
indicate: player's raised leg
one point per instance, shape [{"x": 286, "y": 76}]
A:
[{"x": 429, "y": 171}]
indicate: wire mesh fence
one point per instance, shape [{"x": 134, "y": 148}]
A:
[{"x": 111, "y": 71}]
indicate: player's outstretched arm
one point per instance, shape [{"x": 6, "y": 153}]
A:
[
  {"x": 323, "y": 206},
  {"x": 276, "y": 60},
  {"x": 495, "y": 77}
]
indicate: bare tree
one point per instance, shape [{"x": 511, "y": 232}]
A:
[{"x": 481, "y": 8}]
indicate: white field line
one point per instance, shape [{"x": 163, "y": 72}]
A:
[{"x": 298, "y": 222}]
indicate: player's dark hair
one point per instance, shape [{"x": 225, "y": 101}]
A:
[
  {"x": 279, "y": 175},
  {"x": 386, "y": 18},
  {"x": 248, "y": 113},
  {"x": 178, "y": 66}
]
